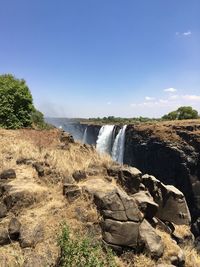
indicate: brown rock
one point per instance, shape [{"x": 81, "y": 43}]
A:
[
  {"x": 8, "y": 174},
  {"x": 174, "y": 207},
  {"x": 30, "y": 236},
  {"x": 151, "y": 240},
  {"x": 14, "y": 228},
  {"x": 3, "y": 210},
  {"x": 120, "y": 233},
  {"x": 146, "y": 204},
  {"x": 4, "y": 237},
  {"x": 79, "y": 175},
  {"x": 39, "y": 168},
  {"x": 71, "y": 191}
]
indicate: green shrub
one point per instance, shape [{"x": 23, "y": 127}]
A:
[
  {"x": 80, "y": 252},
  {"x": 16, "y": 103}
]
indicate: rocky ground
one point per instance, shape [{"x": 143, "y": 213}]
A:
[{"x": 47, "y": 179}]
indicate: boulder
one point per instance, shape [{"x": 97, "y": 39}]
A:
[
  {"x": 14, "y": 228},
  {"x": 174, "y": 207},
  {"x": 18, "y": 200},
  {"x": 3, "y": 210},
  {"x": 130, "y": 178},
  {"x": 4, "y": 237},
  {"x": 30, "y": 236},
  {"x": 152, "y": 241},
  {"x": 117, "y": 205},
  {"x": 71, "y": 191},
  {"x": 146, "y": 204},
  {"x": 171, "y": 201},
  {"x": 120, "y": 233},
  {"x": 8, "y": 174}
]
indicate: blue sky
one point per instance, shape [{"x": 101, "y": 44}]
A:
[{"x": 87, "y": 58}]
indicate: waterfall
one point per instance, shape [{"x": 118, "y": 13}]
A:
[
  {"x": 84, "y": 140},
  {"x": 118, "y": 146},
  {"x": 104, "y": 139}
]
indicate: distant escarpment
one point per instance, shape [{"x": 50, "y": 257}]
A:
[{"x": 171, "y": 152}]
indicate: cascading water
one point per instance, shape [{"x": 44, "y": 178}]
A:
[
  {"x": 118, "y": 146},
  {"x": 104, "y": 139},
  {"x": 84, "y": 140}
]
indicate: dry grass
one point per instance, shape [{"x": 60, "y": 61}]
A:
[
  {"x": 130, "y": 259},
  {"x": 191, "y": 256},
  {"x": 170, "y": 246}
]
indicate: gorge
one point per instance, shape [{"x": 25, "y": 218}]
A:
[{"x": 169, "y": 151}]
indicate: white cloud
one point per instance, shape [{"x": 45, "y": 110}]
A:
[
  {"x": 148, "y": 98},
  {"x": 184, "y": 34},
  {"x": 191, "y": 97},
  {"x": 171, "y": 90},
  {"x": 187, "y": 33},
  {"x": 108, "y": 103}
]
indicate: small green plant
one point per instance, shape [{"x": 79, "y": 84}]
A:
[{"x": 80, "y": 252}]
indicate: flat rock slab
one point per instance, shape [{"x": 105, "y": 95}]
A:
[{"x": 120, "y": 233}]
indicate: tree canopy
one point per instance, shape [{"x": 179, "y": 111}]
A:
[
  {"x": 16, "y": 104},
  {"x": 182, "y": 113}
]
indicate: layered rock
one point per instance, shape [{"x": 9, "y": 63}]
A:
[{"x": 171, "y": 153}]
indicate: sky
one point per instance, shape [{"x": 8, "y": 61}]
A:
[{"x": 95, "y": 58}]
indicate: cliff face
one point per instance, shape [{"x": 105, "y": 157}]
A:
[{"x": 171, "y": 152}]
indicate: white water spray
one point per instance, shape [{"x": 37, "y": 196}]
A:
[
  {"x": 118, "y": 146},
  {"x": 104, "y": 139},
  {"x": 84, "y": 140}
]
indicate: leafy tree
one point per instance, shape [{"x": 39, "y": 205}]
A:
[
  {"x": 16, "y": 103},
  {"x": 182, "y": 113},
  {"x": 185, "y": 113}
]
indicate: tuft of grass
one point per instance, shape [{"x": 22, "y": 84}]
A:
[{"x": 78, "y": 251}]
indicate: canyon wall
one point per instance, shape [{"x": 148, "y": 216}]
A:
[{"x": 171, "y": 152}]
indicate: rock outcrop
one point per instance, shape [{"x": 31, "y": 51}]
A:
[{"x": 171, "y": 153}]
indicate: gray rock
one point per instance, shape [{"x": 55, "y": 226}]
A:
[
  {"x": 30, "y": 236},
  {"x": 151, "y": 240},
  {"x": 117, "y": 205},
  {"x": 120, "y": 233},
  {"x": 3, "y": 210},
  {"x": 4, "y": 237},
  {"x": 8, "y": 174},
  {"x": 174, "y": 207},
  {"x": 14, "y": 228},
  {"x": 146, "y": 204},
  {"x": 130, "y": 178}
]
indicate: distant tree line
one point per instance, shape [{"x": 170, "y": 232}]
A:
[
  {"x": 182, "y": 113},
  {"x": 16, "y": 105}
]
